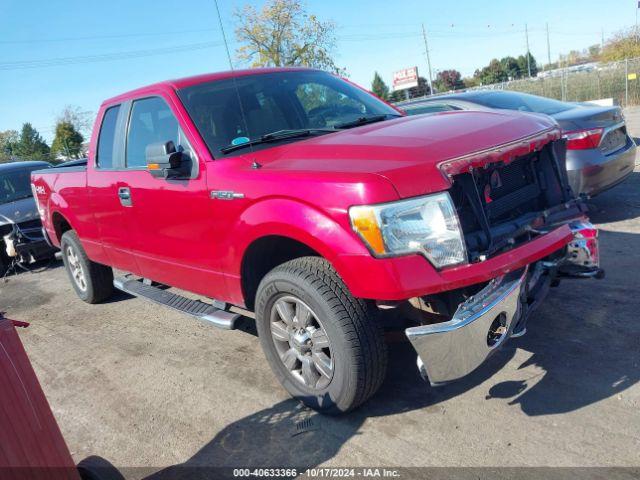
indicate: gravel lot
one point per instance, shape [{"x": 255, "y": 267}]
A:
[{"x": 141, "y": 385}]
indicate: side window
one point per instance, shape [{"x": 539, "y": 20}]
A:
[
  {"x": 151, "y": 121},
  {"x": 106, "y": 139}
]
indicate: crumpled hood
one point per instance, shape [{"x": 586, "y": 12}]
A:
[
  {"x": 406, "y": 151},
  {"x": 19, "y": 211}
]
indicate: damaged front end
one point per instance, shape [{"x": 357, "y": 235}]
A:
[
  {"x": 23, "y": 244},
  {"x": 502, "y": 203},
  {"x": 485, "y": 320}
]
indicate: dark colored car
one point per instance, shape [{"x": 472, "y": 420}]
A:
[
  {"x": 600, "y": 152},
  {"x": 21, "y": 235}
]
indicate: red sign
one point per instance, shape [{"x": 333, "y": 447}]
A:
[{"x": 407, "y": 78}]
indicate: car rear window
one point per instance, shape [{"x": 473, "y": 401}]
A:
[
  {"x": 519, "y": 101},
  {"x": 106, "y": 140}
]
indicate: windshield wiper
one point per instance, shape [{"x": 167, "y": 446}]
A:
[
  {"x": 364, "y": 120},
  {"x": 277, "y": 135}
]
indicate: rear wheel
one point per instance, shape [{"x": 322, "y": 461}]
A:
[
  {"x": 325, "y": 346},
  {"x": 92, "y": 281}
]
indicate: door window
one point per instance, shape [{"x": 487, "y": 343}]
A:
[
  {"x": 151, "y": 121},
  {"x": 107, "y": 138}
]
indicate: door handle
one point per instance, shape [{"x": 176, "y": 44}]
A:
[{"x": 125, "y": 196}]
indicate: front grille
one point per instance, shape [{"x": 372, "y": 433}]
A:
[
  {"x": 613, "y": 141},
  {"x": 497, "y": 204}
]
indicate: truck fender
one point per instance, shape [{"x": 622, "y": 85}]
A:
[{"x": 296, "y": 220}]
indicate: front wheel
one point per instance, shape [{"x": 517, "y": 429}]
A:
[
  {"x": 92, "y": 281},
  {"x": 325, "y": 346}
]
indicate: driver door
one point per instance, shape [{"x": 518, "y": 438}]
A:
[{"x": 173, "y": 234}]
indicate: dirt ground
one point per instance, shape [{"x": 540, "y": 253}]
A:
[{"x": 142, "y": 385}]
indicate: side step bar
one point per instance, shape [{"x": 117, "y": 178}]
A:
[{"x": 214, "y": 314}]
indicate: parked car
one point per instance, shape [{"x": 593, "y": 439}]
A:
[
  {"x": 600, "y": 152},
  {"x": 31, "y": 444},
  {"x": 21, "y": 235},
  {"x": 302, "y": 198}
]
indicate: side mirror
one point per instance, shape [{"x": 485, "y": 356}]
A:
[{"x": 164, "y": 161}]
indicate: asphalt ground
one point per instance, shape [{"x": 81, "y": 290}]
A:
[{"x": 144, "y": 386}]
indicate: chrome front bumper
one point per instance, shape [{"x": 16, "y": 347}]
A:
[{"x": 450, "y": 350}]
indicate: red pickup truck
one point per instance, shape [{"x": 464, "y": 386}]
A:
[{"x": 298, "y": 196}]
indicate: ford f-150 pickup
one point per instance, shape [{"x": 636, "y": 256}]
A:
[{"x": 300, "y": 197}]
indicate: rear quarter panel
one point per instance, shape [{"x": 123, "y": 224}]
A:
[{"x": 64, "y": 192}]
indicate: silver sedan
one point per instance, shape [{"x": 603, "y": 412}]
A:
[{"x": 600, "y": 152}]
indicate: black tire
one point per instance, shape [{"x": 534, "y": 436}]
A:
[
  {"x": 97, "y": 278},
  {"x": 5, "y": 261},
  {"x": 97, "y": 468},
  {"x": 357, "y": 348}
]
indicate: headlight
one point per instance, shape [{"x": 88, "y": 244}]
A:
[{"x": 427, "y": 225}]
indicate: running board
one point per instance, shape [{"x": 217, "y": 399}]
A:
[{"x": 214, "y": 314}]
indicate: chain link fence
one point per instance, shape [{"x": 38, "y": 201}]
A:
[{"x": 617, "y": 80}]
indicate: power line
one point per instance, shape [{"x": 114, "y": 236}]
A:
[
  {"x": 101, "y": 37},
  {"x": 106, "y": 57}
]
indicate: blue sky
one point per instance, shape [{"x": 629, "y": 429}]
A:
[{"x": 372, "y": 35}]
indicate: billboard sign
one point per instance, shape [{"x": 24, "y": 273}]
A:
[{"x": 406, "y": 78}]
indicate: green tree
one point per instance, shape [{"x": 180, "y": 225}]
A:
[
  {"x": 511, "y": 67},
  {"x": 67, "y": 142},
  {"x": 422, "y": 90},
  {"x": 379, "y": 88},
  {"x": 8, "y": 139},
  {"x": 524, "y": 67},
  {"x": 492, "y": 73},
  {"x": 283, "y": 34},
  {"x": 397, "y": 96},
  {"x": 30, "y": 145}
]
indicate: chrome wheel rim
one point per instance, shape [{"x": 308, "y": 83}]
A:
[
  {"x": 75, "y": 268},
  {"x": 301, "y": 342}
]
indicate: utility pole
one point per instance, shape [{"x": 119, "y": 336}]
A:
[
  {"x": 548, "y": 46},
  {"x": 426, "y": 46},
  {"x": 602, "y": 39},
  {"x": 526, "y": 34},
  {"x": 637, "y": 7}
]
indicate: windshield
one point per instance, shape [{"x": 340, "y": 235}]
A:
[
  {"x": 14, "y": 185},
  {"x": 274, "y": 102},
  {"x": 520, "y": 101}
]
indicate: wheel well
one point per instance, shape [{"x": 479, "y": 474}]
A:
[
  {"x": 60, "y": 225},
  {"x": 262, "y": 256}
]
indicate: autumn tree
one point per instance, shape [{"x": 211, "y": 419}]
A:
[
  {"x": 623, "y": 44},
  {"x": 67, "y": 141},
  {"x": 448, "y": 80},
  {"x": 379, "y": 88},
  {"x": 284, "y": 34}
]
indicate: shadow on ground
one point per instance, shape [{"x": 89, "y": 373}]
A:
[
  {"x": 573, "y": 361},
  {"x": 622, "y": 202}
]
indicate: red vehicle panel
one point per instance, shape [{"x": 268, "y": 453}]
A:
[{"x": 31, "y": 445}]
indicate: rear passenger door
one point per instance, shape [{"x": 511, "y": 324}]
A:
[{"x": 105, "y": 180}]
